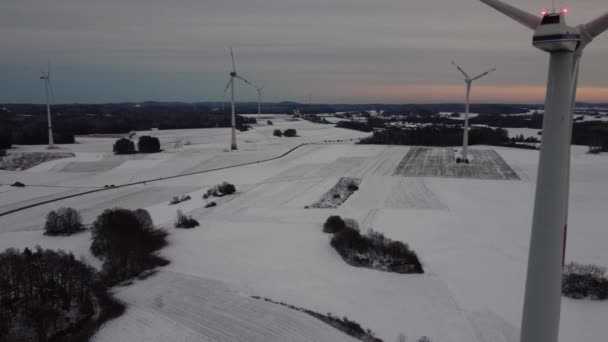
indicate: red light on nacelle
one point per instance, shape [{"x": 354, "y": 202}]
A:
[
  {"x": 543, "y": 13},
  {"x": 565, "y": 11}
]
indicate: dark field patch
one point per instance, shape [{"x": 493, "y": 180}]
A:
[{"x": 441, "y": 162}]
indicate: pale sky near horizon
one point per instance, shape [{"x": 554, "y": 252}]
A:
[{"x": 340, "y": 51}]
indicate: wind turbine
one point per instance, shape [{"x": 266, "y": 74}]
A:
[
  {"x": 223, "y": 101},
  {"x": 46, "y": 76},
  {"x": 230, "y": 84},
  {"x": 465, "y": 137},
  {"x": 565, "y": 44},
  {"x": 259, "y": 90}
]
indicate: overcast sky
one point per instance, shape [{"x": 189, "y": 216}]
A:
[{"x": 340, "y": 51}]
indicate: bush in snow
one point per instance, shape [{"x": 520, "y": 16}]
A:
[
  {"x": 127, "y": 246},
  {"x": 277, "y": 133},
  {"x": 220, "y": 190},
  {"x": 184, "y": 221},
  {"x": 584, "y": 281},
  {"x": 124, "y": 146},
  {"x": 176, "y": 200},
  {"x": 290, "y": 133},
  {"x": 374, "y": 250},
  {"x": 269, "y": 123},
  {"x": 210, "y": 204},
  {"x": 243, "y": 128},
  {"x": 424, "y": 339},
  {"x": 338, "y": 194},
  {"x": 64, "y": 221},
  {"x": 227, "y": 188},
  {"x": 148, "y": 144},
  {"x": 333, "y": 224}
]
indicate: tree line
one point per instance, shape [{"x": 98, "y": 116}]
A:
[
  {"x": 27, "y": 124},
  {"x": 145, "y": 144},
  {"x": 437, "y": 135},
  {"x": 48, "y": 295}
]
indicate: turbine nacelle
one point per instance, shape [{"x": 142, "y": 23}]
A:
[
  {"x": 553, "y": 35},
  {"x": 233, "y": 74}
]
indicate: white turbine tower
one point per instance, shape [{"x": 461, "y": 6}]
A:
[
  {"x": 542, "y": 301},
  {"x": 230, "y": 84},
  {"x": 465, "y": 137},
  {"x": 259, "y": 90},
  {"x": 48, "y": 89}
]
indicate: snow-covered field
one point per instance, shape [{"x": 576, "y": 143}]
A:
[
  {"x": 471, "y": 235},
  {"x": 460, "y": 117}
]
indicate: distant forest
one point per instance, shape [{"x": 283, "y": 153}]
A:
[
  {"x": 26, "y": 124},
  {"x": 438, "y": 136}
]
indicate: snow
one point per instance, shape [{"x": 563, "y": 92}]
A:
[
  {"x": 461, "y": 117},
  {"x": 471, "y": 235},
  {"x": 201, "y": 309},
  {"x": 24, "y": 161},
  {"x": 526, "y": 132}
]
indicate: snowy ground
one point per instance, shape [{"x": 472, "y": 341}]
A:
[
  {"x": 526, "y": 132},
  {"x": 23, "y": 161},
  {"x": 471, "y": 235},
  {"x": 460, "y": 117}
]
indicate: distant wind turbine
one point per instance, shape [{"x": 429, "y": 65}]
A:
[
  {"x": 223, "y": 101},
  {"x": 259, "y": 90},
  {"x": 465, "y": 137},
  {"x": 565, "y": 44},
  {"x": 233, "y": 75},
  {"x": 48, "y": 90}
]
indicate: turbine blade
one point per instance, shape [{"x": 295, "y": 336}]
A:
[
  {"x": 228, "y": 85},
  {"x": 462, "y": 71},
  {"x": 597, "y": 26},
  {"x": 48, "y": 67},
  {"x": 242, "y": 79},
  {"x": 527, "y": 19},
  {"x": 233, "y": 64},
  {"x": 483, "y": 74}
]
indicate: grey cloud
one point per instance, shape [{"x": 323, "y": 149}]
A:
[{"x": 295, "y": 45}]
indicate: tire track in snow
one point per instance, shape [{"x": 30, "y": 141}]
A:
[{"x": 148, "y": 181}]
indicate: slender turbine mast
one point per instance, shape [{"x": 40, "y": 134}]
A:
[
  {"x": 259, "y": 90},
  {"x": 565, "y": 44},
  {"x": 465, "y": 137},
  {"x": 46, "y": 76},
  {"x": 230, "y": 84}
]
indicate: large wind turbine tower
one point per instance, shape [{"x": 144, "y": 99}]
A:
[
  {"x": 230, "y": 84},
  {"x": 565, "y": 44},
  {"x": 465, "y": 136},
  {"x": 46, "y": 77}
]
